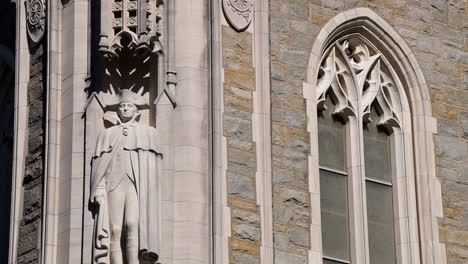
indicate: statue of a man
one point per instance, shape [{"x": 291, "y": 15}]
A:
[{"x": 124, "y": 188}]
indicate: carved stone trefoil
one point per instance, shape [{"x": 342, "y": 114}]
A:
[
  {"x": 238, "y": 13},
  {"x": 35, "y": 20}
]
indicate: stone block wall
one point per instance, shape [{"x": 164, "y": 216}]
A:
[
  {"x": 239, "y": 85},
  {"x": 29, "y": 238},
  {"x": 437, "y": 33}
]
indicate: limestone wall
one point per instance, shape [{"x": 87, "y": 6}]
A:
[{"x": 436, "y": 32}]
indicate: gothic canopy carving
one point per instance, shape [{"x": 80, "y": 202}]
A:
[
  {"x": 238, "y": 13},
  {"x": 357, "y": 76},
  {"x": 135, "y": 25},
  {"x": 35, "y": 20}
]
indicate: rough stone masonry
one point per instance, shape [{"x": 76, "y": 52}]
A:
[{"x": 437, "y": 33}]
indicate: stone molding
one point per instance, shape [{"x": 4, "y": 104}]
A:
[{"x": 261, "y": 127}]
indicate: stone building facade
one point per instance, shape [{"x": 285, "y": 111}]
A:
[{"x": 239, "y": 92}]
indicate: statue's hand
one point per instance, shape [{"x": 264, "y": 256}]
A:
[{"x": 99, "y": 195}]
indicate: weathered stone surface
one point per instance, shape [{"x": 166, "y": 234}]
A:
[
  {"x": 241, "y": 186},
  {"x": 296, "y": 9},
  {"x": 454, "y": 189},
  {"x": 299, "y": 237},
  {"x": 302, "y": 218},
  {"x": 247, "y": 232},
  {"x": 447, "y": 128},
  {"x": 463, "y": 174},
  {"x": 288, "y": 258},
  {"x": 279, "y": 23},
  {"x": 244, "y": 246},
  {"x": 438, "y": 5},
  {"x": 242, "y": 158},
  {"x": 294, "y": 118},
  {"x": 283, "y": 214},
  {"x": 237, "y": 127},
  {"x": 280, "y": 240},
  {"x": 448, "y": 174},
  {"x": 245, "y": 216},
  {"x": 429, "y": 44},
  {"x": 245, "y": 258},
  {"x": 452, "y": 149},
  {"x": 464, "y": 124},
  {"x": 232, "y": 39},
  {"x": 293, "y": 197},
  {"x": 241, "y": 144},
  {"x": 294, "y": 56},
  {"x": 445, "y": 111}
]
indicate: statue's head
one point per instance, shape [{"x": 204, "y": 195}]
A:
[
  {"x": 127, "y": 111},
  {"x": 128, "y": 105}
]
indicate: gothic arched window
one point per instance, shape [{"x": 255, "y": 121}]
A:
[{"x": 361, "y": 112}]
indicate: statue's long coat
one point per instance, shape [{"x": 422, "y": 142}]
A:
[{"x": 140, "y": 141}]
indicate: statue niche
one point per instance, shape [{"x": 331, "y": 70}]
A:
[{"x": 125, "y": 162}]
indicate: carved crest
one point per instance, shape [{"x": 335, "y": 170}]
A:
[
  {"x": 35, "y": 19},
  {"x": 238, "y": 13}
]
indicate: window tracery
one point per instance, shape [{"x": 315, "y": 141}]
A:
[
  {"x": 352, "y": 68},
  {"x": 355, "y": 83}
]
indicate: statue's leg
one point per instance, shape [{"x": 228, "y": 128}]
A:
[
  {"x": 116, "y": 212},
  {"x": 132, "y": 214}
]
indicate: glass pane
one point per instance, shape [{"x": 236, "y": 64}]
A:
[
  {"x": 377, "y": 152},
  {"x": 380, "y": 223},
  {"x": 331, "y": 136},
  {"x": 334, "y": 211}
]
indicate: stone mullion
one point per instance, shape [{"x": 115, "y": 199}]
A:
[{"x": 239, "y": 85}]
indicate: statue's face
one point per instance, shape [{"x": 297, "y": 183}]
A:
[{"x": 127, "y": 111}]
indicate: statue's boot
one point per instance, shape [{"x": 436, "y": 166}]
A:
[
  {"x": 132, "y": 250},
  {"x": 116, "y": 253}
]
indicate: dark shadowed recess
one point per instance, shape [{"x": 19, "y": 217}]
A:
[{"x": 7, "y": 93}]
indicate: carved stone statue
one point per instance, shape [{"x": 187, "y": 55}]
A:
[{"x": 124, "y": 188}]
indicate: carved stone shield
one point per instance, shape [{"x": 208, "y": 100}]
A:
[
  {"x": 35, "y": 19},
  {"x": 238, "y": 13}
]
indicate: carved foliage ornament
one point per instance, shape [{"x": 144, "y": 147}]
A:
[
  {"x": 35, "y": 19},
  {"x": 238, "y": 13},
  {"x": 357, "y": 76}
]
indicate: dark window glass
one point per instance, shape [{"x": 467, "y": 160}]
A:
[
  {"x": 333, "y": 186},
  {"x": 379, "y": 193}
]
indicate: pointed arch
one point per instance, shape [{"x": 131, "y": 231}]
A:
[{"x": 418, "y": 124}]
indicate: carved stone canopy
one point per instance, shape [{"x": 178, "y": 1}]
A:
[{"x": 132, "y": 24}]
